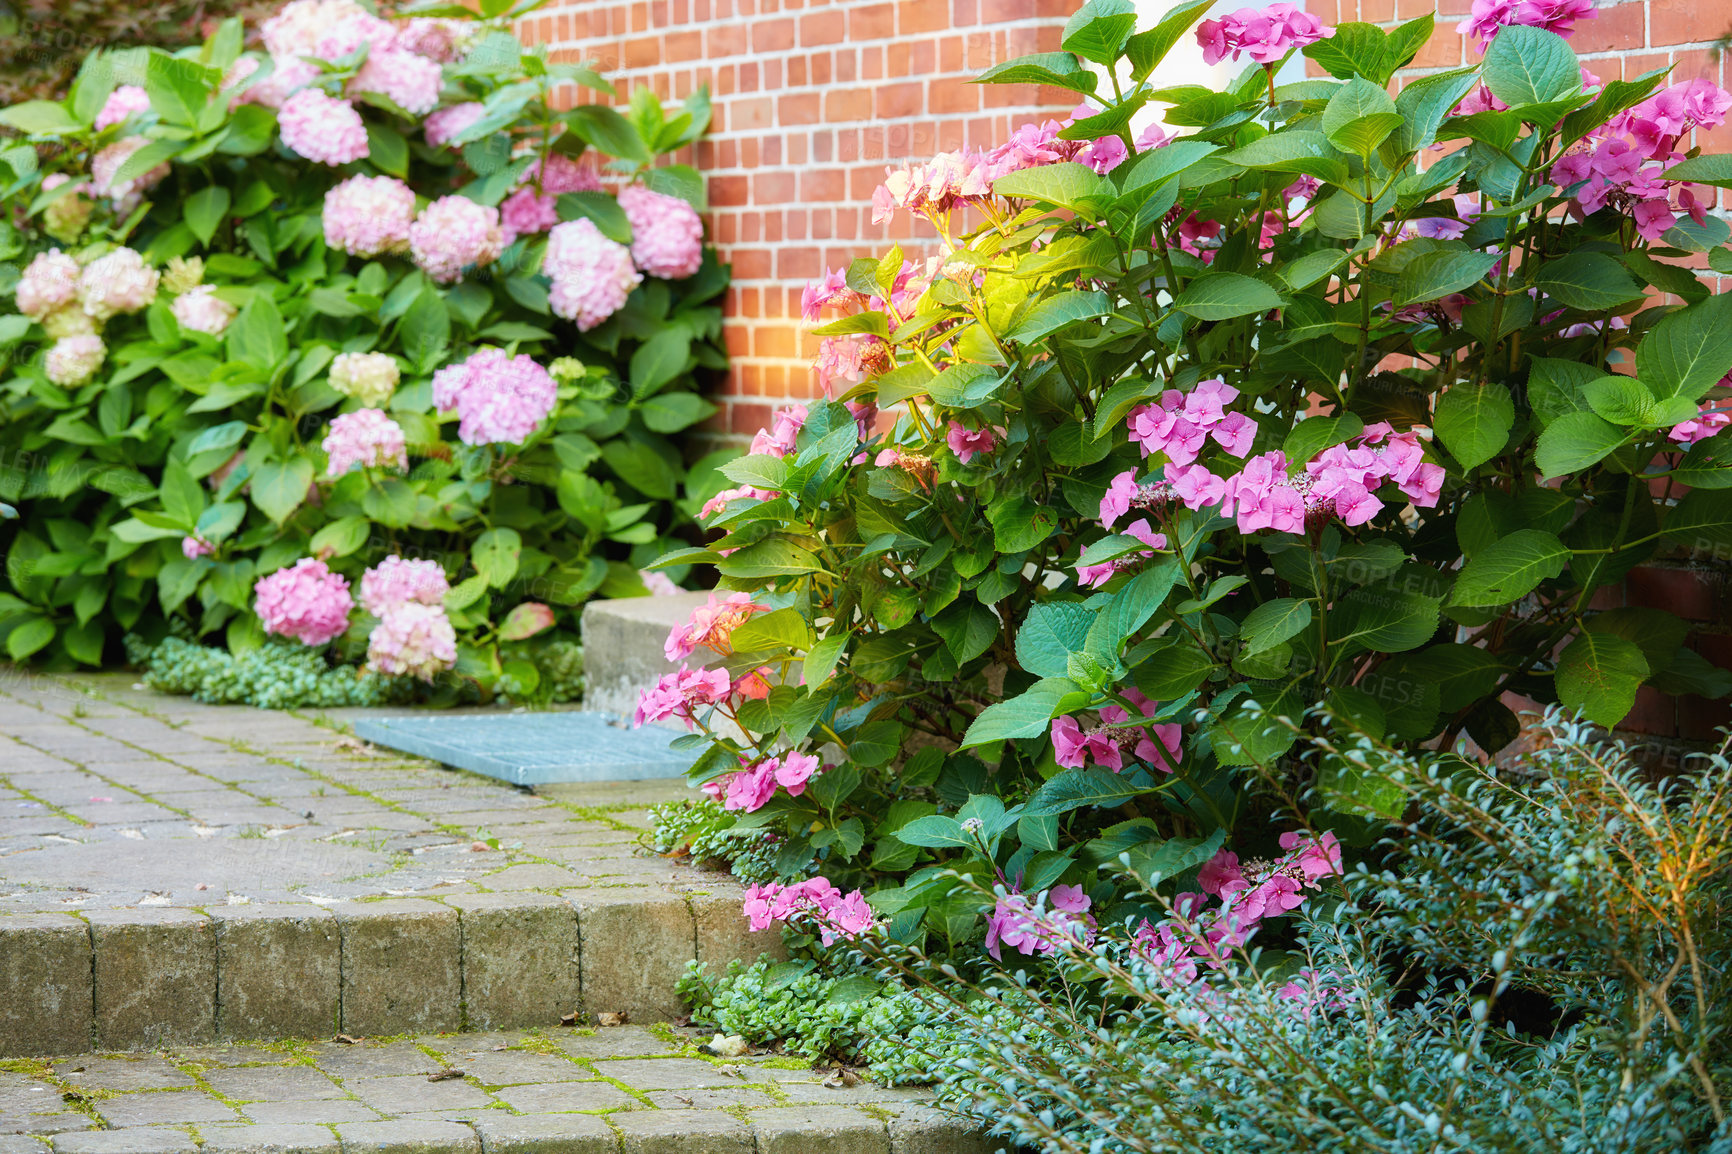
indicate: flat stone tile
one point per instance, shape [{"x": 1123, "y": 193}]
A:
[
  {"x": 544, "y": 1134},
  {"x": 140, "y": 1073},
  {"x": 135, "y": 1140},
  {"x": 683, "y": 1132},
  {"x": 273, "y": 1083},
  {"x": 515, "y": 1067},
  {"x": 322, "y": 1112},
  {"x": 372, "y": 1061},
  {"x": 411, "y": 1137},
  {"x": 664, "y": 1073},
  {"x": 819, "y": 1130},
  {"x": 610, "y": 1042},
  {"x": 721, "y": 1098},
  {"x": 163, "y": 1107},
  {"x": 401, "y": 1095},
  {"x": 560, "y": 1097},
  {"x": 288, "y": 1139}
]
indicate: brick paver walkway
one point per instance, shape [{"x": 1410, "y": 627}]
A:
[{"x": 542, "y": 1092}]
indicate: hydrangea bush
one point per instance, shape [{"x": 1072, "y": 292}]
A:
[
  {"x": 300, "y": 315},
  {"x": 1306, "y": 393}
]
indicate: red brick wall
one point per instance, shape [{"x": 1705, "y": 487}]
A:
[{"x": 812, "y": 99}]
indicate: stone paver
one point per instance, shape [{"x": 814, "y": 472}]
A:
[
  {"x": 607, "y": 1091},
  {"x": 174, "y": 873}
]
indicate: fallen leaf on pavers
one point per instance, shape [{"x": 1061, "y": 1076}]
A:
[
  {"x": 479, "y": 847},
  {"x": 568, "y": 1019},
  {"x": 842, "y": 1076},
  {"x": 608, "y": 1019},
  {"x": 352, "y": 745},
  {"x": 156, "y": 899},
  {"x": 731, "y": 1071},
  {"x": 726, "y": 1046},
  {"x": 346, "y": 1039},
  {"x": 444, "y": 1075}
]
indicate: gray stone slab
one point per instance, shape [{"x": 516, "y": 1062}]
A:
[
  {"x": 819, "y": 1130},
  {"x": 372, "y": 1061},
  {"x": 44, "y": 982},
  {"x": 682, "y": 1132},
  {"x": 623, "y": 642},
  {"x": 135, "y": 1140},
  {"x": 532, "y": 748},
  {"x": 636, "y": 945},
  {"x": 520, "y": 959},
  {"x": 323, "y": 1112},
  {"x": 123, "y": 1074},
  {"x": 611, "y": 1042},
  {"x": 165, "y": 1108},
  {"x": 408, "y": 1137},
  {"x": 664, "y": 1073},
  {"x": 273, "y": 1083},
  {"x": 155, "y": 976},
  {"x": 413, "y": 1093},
  {"x": 11, "y": 1143},
  {"x": 542, "y": 1134},
  {"x": 243, "y": 865},
  {"x": 279, "y": 970},
  {"x": 402, "y": 969},
  {"x": 928, "y": 1130},
  {"x": 515, "y": 1067},
  {"x": 561, "y": 1097},
  {"x": 292, "y": 1139}
]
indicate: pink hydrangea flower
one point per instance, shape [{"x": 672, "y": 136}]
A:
[
  {"x": 364, "y": 437},
  {"x": 411, "y": 82},
  {"x": 782, "y": 435},
  {"x": 1104, "y": 155},
  {"x": 1091, "y": 575},
  {"x": 200, "y": 310},
  {"x": 436, "y": 38},
  {"x": 412, "y": 640},
  {"x": 848, "y": 360},
  {"x": 396, "y": 581},
  {"x": 454, "y": 234},
  {"x": 1220, "y": 875},
  {"x": 1179, "y": 424},
  {"x": 117, "y": 282},
  {"x": 305, "y": 601},
  {"x": 448, "y": 122},
  {"x": 1265, "y": 35},
  {"x": 127, "y": 100},
  {"x": 667, "y": 238},
  {"x": 658, "y": 583},
  {"x": 50, "y": 281},
  {"x": 711, "y": 626},
  {"x": 370, "y": 378},
  {"x": 105, "y": 167},
  {"x": 1039, "y": 926},
  {"x": 73, "y": 360},
  {"x": 288, "y": 75},
  {"x": 1488, "y": 17},
  {"x": 296, "y": 28},
  {"x": 1158, "y": 744},
  {"x": 498, "y": 399},
  {"x": 592, "y": 276},
  {"x": 369, "y": 215},
  {"x": 838, "y": 915},
  {"x": 534, "y": 206},
  {"x": 949, "y": 181},
  {"x": 966, "y": 442},
  {"x": 322, "y": 128},
  {"x": 1116, "y": 502},
  {"x": 1316, "y": 856},
  {"x": 192, "y": 547},
  {"x": 719, "y": 502},
  {"x": 351, "y": 34},
  {"x": 1714, "y": 416},
  {"x": 830, "y": 292},
  {"x": 680, "y": 694}
]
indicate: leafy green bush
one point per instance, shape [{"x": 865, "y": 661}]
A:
[
  {"x": 166, "y": 455},
  {"x": 1535, "y": 962},
  {"x": 1332, "y": 396}
]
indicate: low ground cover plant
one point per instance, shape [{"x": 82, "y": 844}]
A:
[
  {"x": 1309, "y": 394},
  {"x": 343, "y": 335}
]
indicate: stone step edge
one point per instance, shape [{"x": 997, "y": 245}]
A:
[
  {"x": 771, "y": 1130},
  {"x": 143, "y": 978}
]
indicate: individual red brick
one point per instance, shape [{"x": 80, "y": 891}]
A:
[
  {"x": 773, "y": 35},
  {"x": 680, "y": 46},
  {"x": 1443, "y": 50},
  {"x": 872, "y": 22},
  {"x": 915, "y": 17},
  {"x": 725, "y": 40},
  {"x": 898, "y": 100},
  {"x": 802, "y": 108},
  {"x": 1619, "y": 28},
  {"x": 953, "y": 96}
]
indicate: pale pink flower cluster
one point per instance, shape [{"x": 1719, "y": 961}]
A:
[
  {"x": 305, "y": 601},
  {"x": 847, "y": 360},
  {"x": 127, "y": 100},
  {"x": 534, "y": 205},
  {"x": 1092, "y": 575},
  {"x": 681, "y": 694},
  {"x": 667, "y": 238},
  {"x": 720, "y": 501},
  {"x": 453, "y": 234},
  {"x": 369, "y": 215},
  {"x": 448, "y": 122},
  {"x": 783, "y": 434},
  {"x": 351, "y": 34},
  {"x": 1249, "y": 893},
  {"x": 657, "y": 583},
  {"x": 750, "y": 789},
  {"x": 1264, "y": 34},
  {"x": 192, "y": 547},
  {"x": 297, "y": 27},
  {"x": 409, "y": 81},
  {"x": 49, "y": 282},
  {"x": 73, "y": 360},
  {"x": 66, "y": 216},
  {"x": 837, "y": 915},
  {"x": 1714, "y": 416},
  {"x": 1346, "y": 477},
  {"x": 1060, "y": 914},
  {"x": 412, "y": 640},
  {"x": 711, "y": 626},
  {"x": 1467, "y": 210},
  {"x": 105, "y": 166},
  {"x": 397, "y": 581},
  {"x": 1623, "y": 164},
  {"x": 1179, "y": 423},
  {"x": 1106, "y": 743},
  {"x": 498, "y": 399},
  {"x": 288, "y": 75},
  {"x": 370, "y": 378},
  {"x": 1200, "y": 238},
  {"x": 1489, "y": 17},
  {"x": 966, "y": 443},
  {"x": 592, "y": 276},
  {"x": 202, "y": 311},
  {"x": 364, "y": 437},
  {"x": 117, "y": 282},
  {"x": 435, "y": 37},
  {"x": 322, "y": 128}
]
